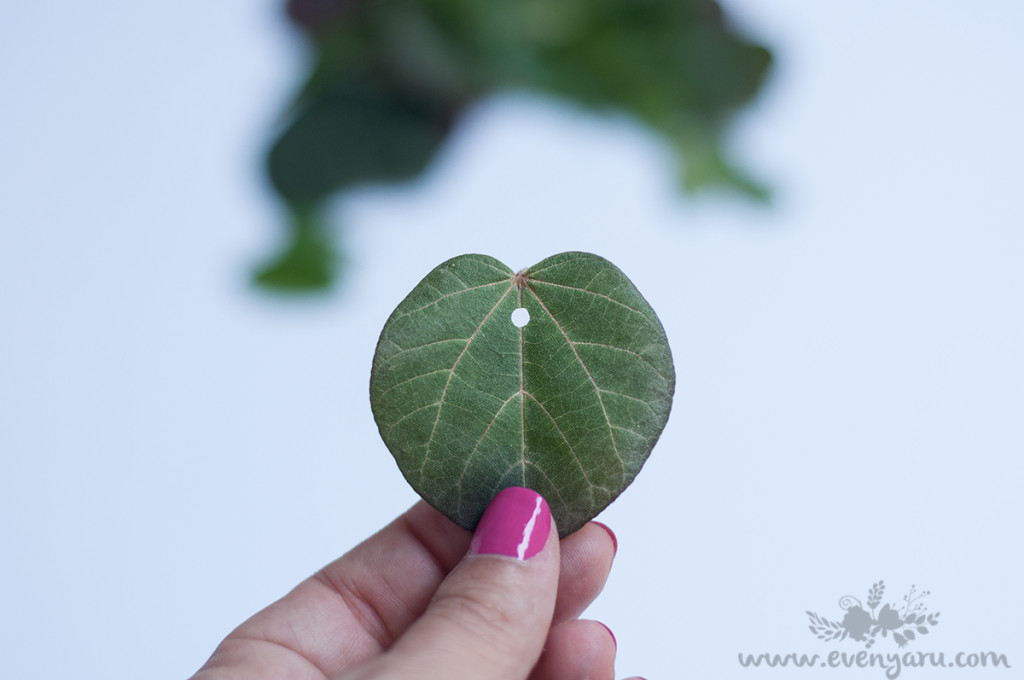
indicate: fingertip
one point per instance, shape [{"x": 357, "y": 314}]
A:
[
  {"x": 577, "y": 650},
  {"x": 586, "y": 558},
  {"x": 491, "y": 615},
  {"x": 614, "y": 641},
  {"x": 516, "y": 524},
  {"x": 611, "y": 535}
]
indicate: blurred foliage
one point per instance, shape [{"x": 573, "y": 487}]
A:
[{"x": 391, "y": 78}]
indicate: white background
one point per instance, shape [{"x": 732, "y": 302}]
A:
[{"x": 178, "y": 450}]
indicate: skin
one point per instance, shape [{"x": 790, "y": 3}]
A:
[{"x": 410, "y": 603}]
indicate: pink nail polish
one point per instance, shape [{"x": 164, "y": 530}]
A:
[{"x": 515, "y": 524}]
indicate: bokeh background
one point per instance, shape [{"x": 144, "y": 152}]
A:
[{"x": 177, "y": 449}]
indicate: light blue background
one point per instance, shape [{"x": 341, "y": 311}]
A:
[{"x": 176, "y": 450}]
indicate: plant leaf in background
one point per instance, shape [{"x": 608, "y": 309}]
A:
[
  {"x": 390, "y": 80},
  {"x": 471, "y": 400}
]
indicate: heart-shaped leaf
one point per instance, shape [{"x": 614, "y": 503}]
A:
[{"x": 470, "y": 401}]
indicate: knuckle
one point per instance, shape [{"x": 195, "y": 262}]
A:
[{"x": 480, "y": 612}]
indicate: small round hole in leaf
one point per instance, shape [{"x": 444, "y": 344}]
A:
[{"x": 521, "y": 317}]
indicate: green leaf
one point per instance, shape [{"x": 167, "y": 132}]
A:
[
  {"x": 391, "y": 80},
  {"x": 569, "y": 405},
  {"x": 358, "y": 132},
  {"x": 308, "y": 263}
]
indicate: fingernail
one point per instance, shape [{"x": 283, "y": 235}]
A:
[
  {"x": 615, "y": 541},
  {"x": 515, "y": 524}
]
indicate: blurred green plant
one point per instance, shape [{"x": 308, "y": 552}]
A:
[{"x": 391, "y": 78}]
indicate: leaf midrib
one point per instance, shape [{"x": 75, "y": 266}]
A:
[{"x": 520, "y": 281}]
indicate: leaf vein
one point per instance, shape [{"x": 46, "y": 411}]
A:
[
  {"x": 522, "y": 391},
  {"x": 458, "y": 484},
  {"x": 506, "y": 271},
  {"x": 409, "y": 380},
  {"x": 597, "y": 390},
  {"x": 596, "y": 294},
  {"x": 590, "y": 484},
  {"x": 627, "y": 351},
  {"x": 403, "y": 350},
  {"x": 444, "y": 392},
  {"x": 448, "y": 295},
  {"x": 532, "y": 271},
  {"x": 530, "y": 463},
  {"x": 630, "y": 397},
  {"x": 409, "y": 414}
]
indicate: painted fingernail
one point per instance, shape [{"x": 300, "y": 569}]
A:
[
  {"x": 515, "y": 524},
  {"x": 615, "y": 541}
]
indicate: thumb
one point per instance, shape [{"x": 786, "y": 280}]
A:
[{"x": 490, "y": 617}]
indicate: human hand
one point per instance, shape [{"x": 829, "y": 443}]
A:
[{"x": 423, "y": 600}]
